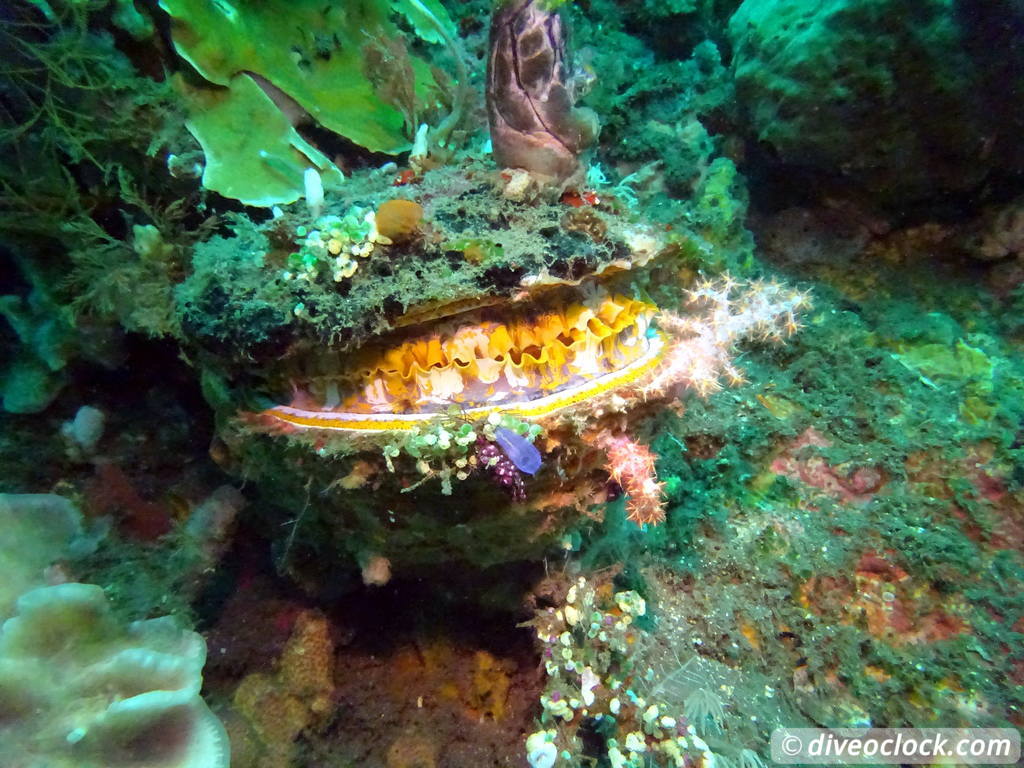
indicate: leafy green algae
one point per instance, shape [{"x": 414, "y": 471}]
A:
[
  {"x": 253, "y": 154},
  {"x": 307, "y": 54}
]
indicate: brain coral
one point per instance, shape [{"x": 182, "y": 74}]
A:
[{"x": 79, "y": 690}]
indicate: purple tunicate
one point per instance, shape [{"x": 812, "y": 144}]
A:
[{"x": 519, "y": 450}]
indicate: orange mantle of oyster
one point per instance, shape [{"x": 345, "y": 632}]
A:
[{"x": 531, "y": 366}]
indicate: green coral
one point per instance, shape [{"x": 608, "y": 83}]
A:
[
  {"x": 721, "y": 208},
  {"x": 959, "y": 361},
  {"x": 34, "y": 371}
]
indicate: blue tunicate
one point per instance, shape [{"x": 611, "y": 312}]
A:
[{"x": 519, "y": 450}]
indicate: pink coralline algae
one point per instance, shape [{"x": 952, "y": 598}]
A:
[{"x": 850, "y": 485}]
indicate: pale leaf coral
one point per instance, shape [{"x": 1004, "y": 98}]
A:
[{"x": 78, "y": 690}]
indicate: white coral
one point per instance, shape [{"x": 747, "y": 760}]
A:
[
  {"x": 36, "y": 531},
  {"x": 79, "y": 690}
]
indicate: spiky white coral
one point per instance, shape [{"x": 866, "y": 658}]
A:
[
  {"x": 700, "y": 352},
  {"x": 699, "y": 355}
]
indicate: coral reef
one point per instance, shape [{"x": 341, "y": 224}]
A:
[{"x": 464, "y": 438}]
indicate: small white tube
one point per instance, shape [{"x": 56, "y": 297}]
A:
[
  {"x": 419, "y": 144},
  {"x": 314, "y": 191}
]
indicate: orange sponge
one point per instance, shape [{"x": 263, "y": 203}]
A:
[{"x": 398, "y": 220}]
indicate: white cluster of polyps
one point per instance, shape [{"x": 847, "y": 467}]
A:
[{"x": 726, "y": 312}]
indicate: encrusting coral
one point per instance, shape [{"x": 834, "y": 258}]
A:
[
  {"x": 78, "y": 690},
  {"x": 278, "y": 707}
]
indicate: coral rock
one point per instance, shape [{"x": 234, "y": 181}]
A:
[
  {"x": 279, "y": 706},
  {"x": 904, "y": 97}
]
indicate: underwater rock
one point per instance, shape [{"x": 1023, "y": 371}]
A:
[
  {"x": 999, "y": 234},
  {"x": 802, "y": 236},
  {"x": 901, "y": 97}
]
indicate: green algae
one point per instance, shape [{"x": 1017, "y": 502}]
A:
[{"x": 315, "y": 57}]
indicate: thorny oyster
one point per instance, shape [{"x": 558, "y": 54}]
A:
[
  {"x": 362, "y": 375},
  {"x": 494, "y": 311}
]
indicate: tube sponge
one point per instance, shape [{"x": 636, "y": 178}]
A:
[{"x": 79, "y": 690}]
